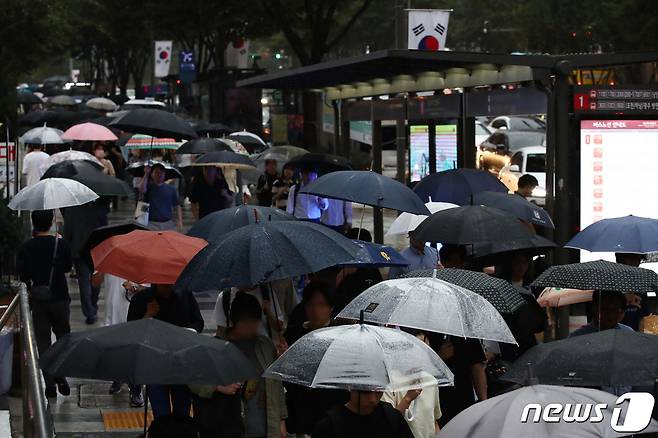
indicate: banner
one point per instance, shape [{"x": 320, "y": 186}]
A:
[
  {"x": 237, "y": 54},
  {"x": 162, "y": 59},
  {"x": 428, "y": 29},
  {"x": 186, "y": 67}
]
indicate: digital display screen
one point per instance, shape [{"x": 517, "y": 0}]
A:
[
  {"x": 446, "y": 149},
  {"x": 618, "y": 168}
]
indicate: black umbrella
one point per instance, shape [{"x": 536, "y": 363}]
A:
[
  {"x": 492, "y": 252},
  {"x": 501, "y": 294},
  {"x": 37, "y": 118},
  {"x": 119, "y": 99},
  {"x": 211, "y": 128},
  {"x": 457, "y": 186},
  {"x": 225, "y": 159},
  {"x": 369, "y": 188},
  {"x": 516, "y": 205},
  {"x": 138, "y": 169},
  {"x": 250, "y": 141},
  {"x": 266, "y": 251},
  {"x": 103, "y": 233},
  {"x": 470, "y": 225},
  {"x": 204, "y": 145},
  {"x": 321, "y": 163},
  {"x": 26, "y": 97},
  {"x": 613, "y": 357},
  {"x": 156, "y": 123},
  {"x": 87, "y": 173},
  {"x": 216, "y": 225},
  {"x": 599, "y": 275}
]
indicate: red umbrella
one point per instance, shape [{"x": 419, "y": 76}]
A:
[{"x": 156, "y": 257}]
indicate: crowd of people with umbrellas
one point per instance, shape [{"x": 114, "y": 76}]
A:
[{"x": 446, "y": 344}]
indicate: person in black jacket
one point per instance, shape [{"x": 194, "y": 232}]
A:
[
  {"x": 35, "y": 260},
  {"x": 181, "y": 309}
]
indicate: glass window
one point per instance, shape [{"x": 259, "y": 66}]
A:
[
  {"x": 517, "y": 159},
  {"x": 536, "y": 163}
]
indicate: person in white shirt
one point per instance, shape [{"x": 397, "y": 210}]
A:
[
  {"x": 303, "y": 206},
  {"x": 34, "y": 164},
  {"x": 273, "y": 315},
  {"x": 338, "y": 215}
]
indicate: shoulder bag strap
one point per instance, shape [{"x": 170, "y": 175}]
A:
[{"x": 52, "y": 265}]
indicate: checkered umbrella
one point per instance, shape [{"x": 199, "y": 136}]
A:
[
  {"x": 501, "y": 294},
  {"x": 599, "y": 275}
]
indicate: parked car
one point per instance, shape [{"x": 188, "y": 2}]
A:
[
  {"x": 495, "y": 152},
  {"x": 517, "y": 122},
  {"x": 482, "y": 132},
  {"x": 528, "y": 160}
]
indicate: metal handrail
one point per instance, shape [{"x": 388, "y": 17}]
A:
[{"x": 37, "y": 421}]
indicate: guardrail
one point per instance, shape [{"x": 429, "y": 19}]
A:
[{"x": 37, "y": 421}]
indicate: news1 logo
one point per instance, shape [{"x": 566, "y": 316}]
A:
[{"x": 637, "y": 418}]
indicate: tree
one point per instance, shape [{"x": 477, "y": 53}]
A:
[{"x": 313, "y": 28}]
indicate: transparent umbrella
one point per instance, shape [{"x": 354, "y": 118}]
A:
[
  {"x": 361, "y": 357},
  {"x": 408, "y": 222},
  {"x": 430, "y": 304},
  {"x": 52, "y": 193}
]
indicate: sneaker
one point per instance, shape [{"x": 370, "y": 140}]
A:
[
  {"x": 51, "y": 392},
  {"x": 63, "y": 387},
  {"x": 115, "y": 388},
  {"x": 136, "y": 400}
]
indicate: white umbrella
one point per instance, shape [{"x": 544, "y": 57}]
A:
[
  {"x": 360, "y": 357},
  {"x": 43, "y": 135},
  {"x": 407, "y": 222},
  {"x": 239, "y": 134},
  {"x": 501, "y": 416},
  {"x": 52, "y": 193},
  {"x": 62, "y": 100},
  {"x": 430, "y": 304},
  {"x": 69, "y": 156},
  {"x": 101, "y": 104}
]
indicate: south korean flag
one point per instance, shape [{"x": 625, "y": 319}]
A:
[{"x": 428, "y": 29}]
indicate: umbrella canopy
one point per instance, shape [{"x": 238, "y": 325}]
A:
[
  {"x": 250, "y": 141},
  {"x": 376, "y": 256},
  {"x": 266, "y": 251},
  {"x": 101, "y": 104},
  {"x": 43, "y": 136},
  {"x": 37, "y": 118},
  {"x": 516, "y": 205},
  {"x": 492, "y": 252},
  {"x": 154, "y": 122},
  {"x": 430, "y": 304},
  {"x": 369, "y": 188},
  {"x": 141, "y": 141},
  {"x": 500, "y": 416},
  {"x": 62, "y": 100},
  {"x": 101, "y": 234},
  {"x": 156, "y": 257},
  {"x": 71, "y": 155},
  {"x": 360, "y": 357},
  {"x": 204, "y": 145},
  {"x": 558, "y": 297},
  {"x": 26, "y": 97},
  {"x": 216, "y": 225},
  {"x": 630, "y": 358},
  {"x": 599, "y": 275},
  {"x": 321, "y": 163},
  {"x": 211, "y": 128},
  {"x": 501, "y": 294},
  {"x": 470, "y": 225},
  {"x": 89, "y": 132},
  {"x": 631, "y": 234},
  {"x": 88, "y": 174},
  {"x": 457, "y": 186},
  {"x": 138, "y": 169},
  {"x": 52, "y": 193},
  {"x": 147, "y": 351},
  {"x": 227, "y": 159},
  {"x": 407, "y": 222}
]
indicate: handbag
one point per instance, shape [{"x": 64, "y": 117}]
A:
[
  {"x": 142, "y": 213},
  {"x": 44, "y": 292}
]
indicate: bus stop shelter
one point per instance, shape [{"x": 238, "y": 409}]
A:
[{"x": 394, "y": 85}]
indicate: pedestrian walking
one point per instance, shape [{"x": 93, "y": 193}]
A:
[
  {"x": 42, "y": 263},
  {"x": 98, "y": 151},
  {"x": 281, "y": 187},
  {"x": 33, "y": 163},
  {"x": 419, "y": 256},
  {"x": 162, "y": 199},
  {"x": 209, "y": 193},
  {"x": 272, "y": 315},
  {"x": 303, "y": 206},
  {"x": 338, "y": 215},
  {"x": 526, "y": 184},
  {"x": 161, "y": 302},
  {"x": 266, "y": 183}
]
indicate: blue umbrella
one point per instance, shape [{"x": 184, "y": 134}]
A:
[
  {"x": 630, "y": 234},
  {"x": 516, "y": 205},
  {"x": 457, "y": 186},
  {"x": 369, "y": 188},
  {"x": 266, "y": 251},
  {"x": 216, "y": 225},
  {"x": 376, "y": 256}
]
